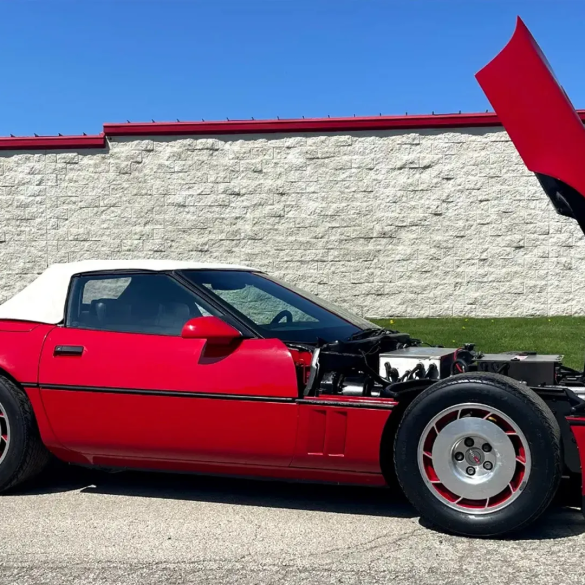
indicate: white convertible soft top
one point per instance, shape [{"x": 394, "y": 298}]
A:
[{"x": 43, "y": 300}]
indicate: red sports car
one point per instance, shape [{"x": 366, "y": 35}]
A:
[{"x": 223, "y": 369}]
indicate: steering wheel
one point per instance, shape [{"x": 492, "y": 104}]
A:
[{"x": 278, "y": 318}]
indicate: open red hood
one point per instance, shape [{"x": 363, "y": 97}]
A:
[{"x": 540, "y": 119}]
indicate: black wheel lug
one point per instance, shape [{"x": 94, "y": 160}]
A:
[
  {"x": 471, "y": 471},
  {"x": 459, "y": 456},
  {"x": 486, "y": 447},
  {"x": 469, "y": 442},
  {"x": 488, "y": 465}
]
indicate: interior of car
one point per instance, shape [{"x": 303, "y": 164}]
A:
[{"x": 141, "y": 303}]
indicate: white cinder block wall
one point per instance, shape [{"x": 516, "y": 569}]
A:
[{"x": 390, "y": 223}]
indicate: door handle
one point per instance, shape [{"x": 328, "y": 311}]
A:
[{"x": 73, "y": 350}]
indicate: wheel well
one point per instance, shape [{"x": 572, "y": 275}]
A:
[
  {"x": 561, "y": 409},
  {"x": 37, "y": 417},
  {"x": 6, "y": 374},
  {"x": 389, "y": 435}
]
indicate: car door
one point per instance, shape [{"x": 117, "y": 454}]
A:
[{"x": 118, "y": 379}]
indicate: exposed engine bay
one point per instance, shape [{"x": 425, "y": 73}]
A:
[{"x": 385, "y": 363}]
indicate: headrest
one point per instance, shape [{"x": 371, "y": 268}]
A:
[{"x": 105, "y": 309}]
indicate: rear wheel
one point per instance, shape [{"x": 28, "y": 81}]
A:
[
  {"x": 479, "y": 454},
  {"x": 22, "y": 453}
]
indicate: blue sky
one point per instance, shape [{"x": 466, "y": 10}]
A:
[{"x": 70, "y": 65}]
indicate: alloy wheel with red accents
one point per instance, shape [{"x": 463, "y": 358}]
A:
[
  {"x": 4, "y": 434},
  {"x": 474, "y": 458},
  {"x": 478, "y": 454}
]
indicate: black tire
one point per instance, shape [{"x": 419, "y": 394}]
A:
[
  {"x": 25, "y": 456},
  {"x": 529, "y": 413}
]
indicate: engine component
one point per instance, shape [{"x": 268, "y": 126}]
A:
[
  {"x": 529, "y": 367},
  {"x": 418, "y": 362}
]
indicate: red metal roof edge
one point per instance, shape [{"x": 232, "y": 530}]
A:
[
  {"x": 52, "y": 142},
  {"x": 406, "y": 122},
  {"x": 302, "y": 125}
]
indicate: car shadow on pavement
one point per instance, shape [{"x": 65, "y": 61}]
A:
[
  {"x": 341, "y": 499},
  {"x": 563, "y": 519}
]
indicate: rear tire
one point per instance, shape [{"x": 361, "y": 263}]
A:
[
  {"x": 22, "y": 453},
  {"x": 479, "y": 455}
]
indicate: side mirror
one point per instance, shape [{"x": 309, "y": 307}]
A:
[{"x": 212, "y": 329}]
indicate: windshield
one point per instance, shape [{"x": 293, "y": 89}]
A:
[{"x": 278, "y": 310}]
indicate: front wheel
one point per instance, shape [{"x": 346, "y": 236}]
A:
[{"x": 479, "y": 455}]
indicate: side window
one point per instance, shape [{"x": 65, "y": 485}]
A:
[{"x": 133, "y": 303}]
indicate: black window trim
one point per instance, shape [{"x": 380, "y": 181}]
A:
[{"x": 227, "y": 315}]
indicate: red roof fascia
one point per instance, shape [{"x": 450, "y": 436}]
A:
[
  {"x": 406, "y": 122},
  {"x": 52, "y": 142},
  {"x": 302, "y": 125}
]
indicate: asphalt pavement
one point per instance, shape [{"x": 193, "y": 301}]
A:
[{"x": 86, "y": 527}]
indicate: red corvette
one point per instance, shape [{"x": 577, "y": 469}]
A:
[{"x": 223, "y": 369}]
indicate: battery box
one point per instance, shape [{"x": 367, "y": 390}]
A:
[
  {"x": 433, "y": 359},
  {"x": 528, "y": 367},
  {"x": 531, "y": 368}
]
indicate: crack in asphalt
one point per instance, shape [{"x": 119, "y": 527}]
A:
[{"x": 361, "y": 547}]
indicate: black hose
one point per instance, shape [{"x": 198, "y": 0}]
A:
[{"x": 459, "y": 366}]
